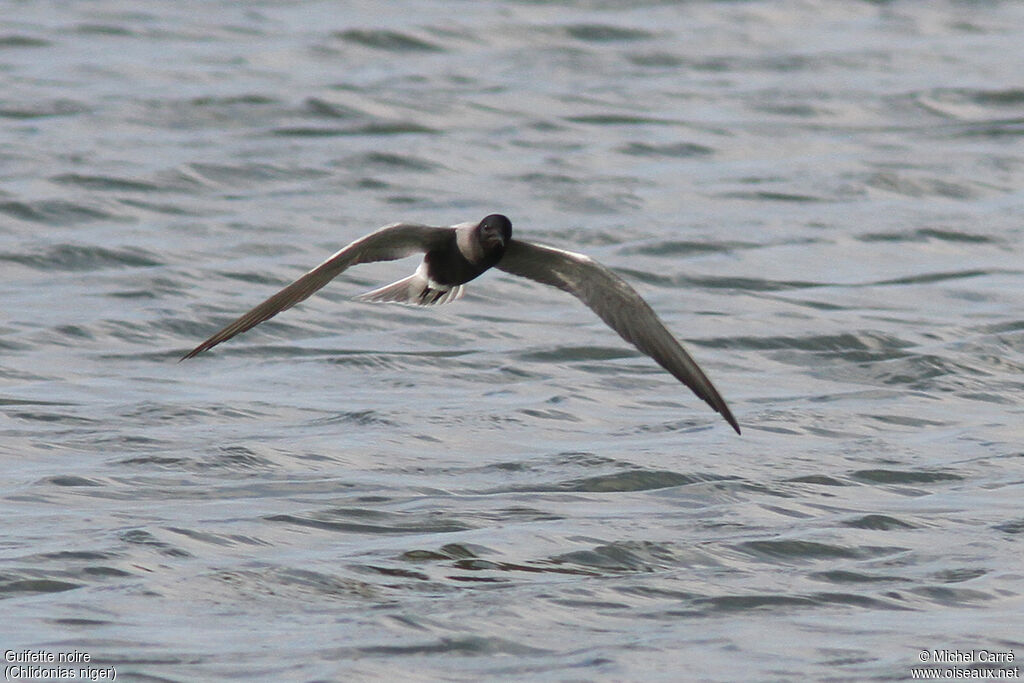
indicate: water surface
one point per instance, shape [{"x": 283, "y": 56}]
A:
[{"x": 822, "y": 199}]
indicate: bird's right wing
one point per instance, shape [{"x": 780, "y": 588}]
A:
[
  {"x": 387, "y": 244},
  {"x": 616, "y": 303}
]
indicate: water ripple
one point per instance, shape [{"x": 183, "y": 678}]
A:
[
  {"x": 390, "y": 41},
  {"x": 54, "y": 212},
  {"x": 73, "y": 257}
]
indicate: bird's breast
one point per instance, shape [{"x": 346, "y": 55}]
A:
[{"x": 449, "y": 267}]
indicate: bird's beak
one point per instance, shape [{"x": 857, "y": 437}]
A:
[{"x": 493, "y": 238}]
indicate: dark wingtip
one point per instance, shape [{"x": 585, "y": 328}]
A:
[
  {"x": 194, "y": 352},
  {"x": 735, "y": 425},
  {"x": 724, "y": 411}
]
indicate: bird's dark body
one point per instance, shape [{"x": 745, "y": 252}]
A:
[
  {"x": 469, "y": 251},
  {"x": 447, "y": 266}
]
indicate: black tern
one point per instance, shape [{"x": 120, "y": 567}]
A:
[{"x": 455, "y": 255}]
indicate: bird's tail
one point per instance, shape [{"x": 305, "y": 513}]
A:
[{"x": 416, "y": 290}]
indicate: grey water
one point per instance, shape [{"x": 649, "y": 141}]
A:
[{"x": 823, "y": 200}]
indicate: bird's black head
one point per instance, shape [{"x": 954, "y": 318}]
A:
[{"x": 495, "y": 231}]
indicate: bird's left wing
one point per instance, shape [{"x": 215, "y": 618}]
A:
[
  {"x": 387, "y": 244},
  {"x": 618, "y": 305}
]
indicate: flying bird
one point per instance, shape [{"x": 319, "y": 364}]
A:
[{"x": 455, "y": 255}]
